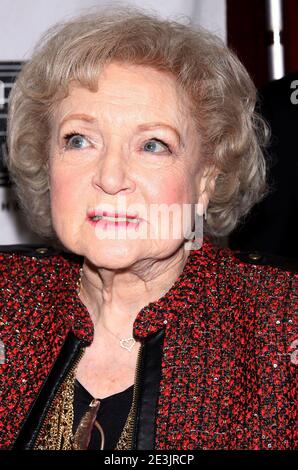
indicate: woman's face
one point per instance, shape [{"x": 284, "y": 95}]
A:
[{"x": 127, "y": 148}]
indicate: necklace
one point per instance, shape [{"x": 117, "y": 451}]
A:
[{"x": 125, "y": 343}]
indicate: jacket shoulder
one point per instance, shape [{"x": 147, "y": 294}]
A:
[
  {"x": 18, "y": 263},
  {"x": 249, "y": 260},
  {"x": 31, "y": 250},
  {"x": 259, "y": 258},
  {"x": 37, "y": 251}
]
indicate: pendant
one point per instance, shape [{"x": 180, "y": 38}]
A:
[{"x": 127, "y": 343}]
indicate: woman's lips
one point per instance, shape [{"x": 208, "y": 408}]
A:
[
  {"x": 94, "y": 213},
  {"x": 105, "y": 223}
]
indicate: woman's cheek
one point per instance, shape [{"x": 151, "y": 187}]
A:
[
  {"x": 168, "y": 189},
  {"x": 65, "y": 196}
]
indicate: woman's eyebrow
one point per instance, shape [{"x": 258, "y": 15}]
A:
[
  {"x": 141, "y": 127},
  {"x": 78, "y": 117},
  {"x": 152, "y": 125}
]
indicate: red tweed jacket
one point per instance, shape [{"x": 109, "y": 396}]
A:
[{"x": 219, "y": 368}]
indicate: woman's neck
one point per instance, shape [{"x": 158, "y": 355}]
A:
[{"x": 114, "y": 298}]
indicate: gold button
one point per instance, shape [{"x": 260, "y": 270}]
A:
[
  {"x": 42, "y": 251},
  {"x": 255, "y": 256}
]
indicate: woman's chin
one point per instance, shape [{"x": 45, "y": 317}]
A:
[{"x": 113, "y": 254}]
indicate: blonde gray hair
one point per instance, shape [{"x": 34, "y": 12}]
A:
[{"x": 219, "y": 91}]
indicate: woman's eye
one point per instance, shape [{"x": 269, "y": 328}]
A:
[
  {"x": 156, "y": 145},
  {"x": 75, "y": 141}
]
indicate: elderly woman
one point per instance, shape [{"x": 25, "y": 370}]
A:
[{"x": 119, "y": 337}]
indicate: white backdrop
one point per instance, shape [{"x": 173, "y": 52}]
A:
[{"x": 22, "y": 23}]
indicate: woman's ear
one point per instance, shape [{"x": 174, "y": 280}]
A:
[{"x": 205, "y": 187}]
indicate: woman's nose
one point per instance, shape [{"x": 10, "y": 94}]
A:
[{"x": 112, "y": 174}]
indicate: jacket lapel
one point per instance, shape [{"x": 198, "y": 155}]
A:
[
  {"x": 31, "y": 426},
  {"x": 149, "y": 383}
]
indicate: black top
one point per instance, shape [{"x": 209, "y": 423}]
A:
[{"x": 112, "y": 414}]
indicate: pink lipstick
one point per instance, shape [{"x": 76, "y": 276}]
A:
[{"x": 107, "y": 219}]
